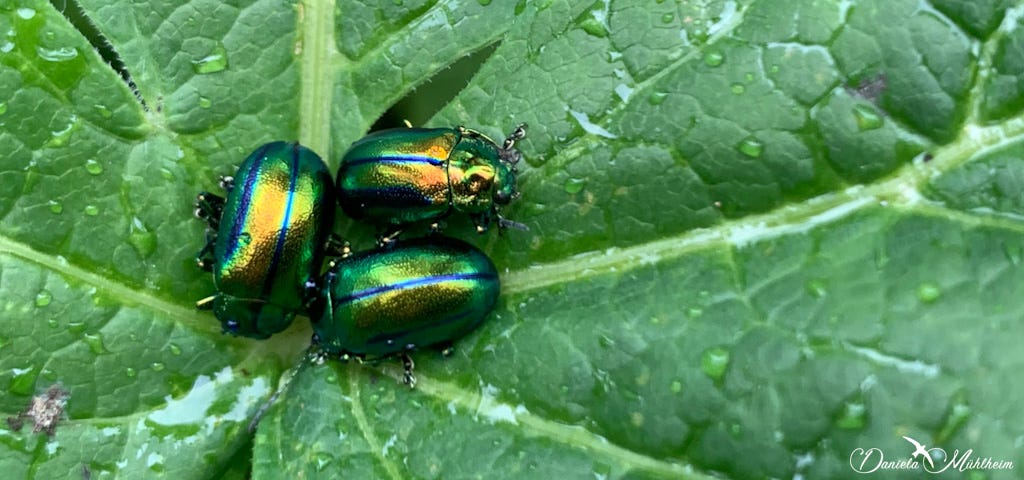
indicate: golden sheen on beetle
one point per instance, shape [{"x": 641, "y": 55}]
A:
[
  {"x": 406, "y": 175},
  {"x": 422, "y": 292},
  {"x": 266, "y": 240}
]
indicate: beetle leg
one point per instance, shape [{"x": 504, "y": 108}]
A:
[
  {"x": 387, "y": 239},
  {"x": 205, "y": 303},
  {"x": 209, "y": 207},
  {"x": 336, "y": 247},
  {"x": 408, "y": 377},
  {"x": 504, "y": 223},
  {"x": 446, "y": 348},
  {"x": 227, "y": 183},
  {"x": 204, "y": 259},
  {"x": 509, "y": 154}
]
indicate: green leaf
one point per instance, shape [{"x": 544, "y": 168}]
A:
[{"x": 763, "y": 234}]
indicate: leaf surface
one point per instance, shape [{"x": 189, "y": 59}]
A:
[{"x": 762, "y": 234}]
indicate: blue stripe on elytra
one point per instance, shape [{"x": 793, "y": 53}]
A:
[
  {"x": 282, "y": 234},
  {"x": 369, "y": 292},
  {"x": 394, "y": 159},
  {"x": 247, "y": 189}
]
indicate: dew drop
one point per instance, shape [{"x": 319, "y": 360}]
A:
[
  {"x": 520, "y": 7},
  {"x": 3, "y": 108},
  {"x": 43, "y": 298},
  {"x": 103, "y": 110},
  {"x": 166, "y": 174},
  {"x": 175, "y": 349},
  {"x": 55, "y": 207},
  {"x": 62, "y": 54},
  {"x": 244, "y": 238},
  {"x": 1013, "y": 253},
  {"x": 575, "y": 185},
  {"x": 773, "y": 69},
  {"x": 656, "y": 98},
  {"x": 215, "y": 62},
  {"x": 95, "y": 343},
  {"x": 129, "y": 372},
  {"x": 714, "y": 361},
  {"x": 816, "y": 287},
  {"x": 594, "y": 27},
  {"x": 322, "y": 459},
  {"x": 667, "y": 18},
  {"x": 140, "y": 238},
  {"x": 76, "y": 328},
  {"x": 23, "y": 381},
  {"x": 484, "y": 3},
  {"x": 751, "y": 147},
  {"x": 61, "y": 136},
  {"x": 737, "y": 89},
  {"x": 713, "y": 59},
  {"x": 694, "y": 312},
  {"x": 331, "y": 379},
  {"x": 48, "y": 374},
  {"x": 867, "y": 118},
  {"x": 928, "y": 292},
  {"x": 853, "y": 416},
  {"x": 53, "y": 323},
  {"x": 157, "y": 366},
  {"x": 676, "y": 386},
  {"x": 93, "y": 167},
  {"x": 26, "y": 13},
  {"x": 92, "y": 210},
  {"x": 7, "y": 46},
  {"x": 205, "y": 102}
]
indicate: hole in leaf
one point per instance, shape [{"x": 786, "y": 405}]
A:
[
  {"x": 426, "y": 100},
  {"x": 74, "y": 14}
]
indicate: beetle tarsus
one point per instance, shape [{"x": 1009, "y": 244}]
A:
[{"x": 408, "y": 377}]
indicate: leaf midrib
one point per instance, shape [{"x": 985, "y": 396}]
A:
[{"x": 900, "y": 190}]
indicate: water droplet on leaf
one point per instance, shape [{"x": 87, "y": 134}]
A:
[
  {"x": 751, "y": 147},
  {"x": 93, "y": 167},
  {"x": 713, "y": 59},
  {"x": 928, "y": 292},
  {"x": 714, "y": 361},
  {"x": 574, "y": 185},
  {"x": 43, "y": 298},
  {"x": 215, "y": 62},
  {"x": 62, "y": 54},
  {"x": 867, "y": 118},
  {"x": 92, "y": 210}
]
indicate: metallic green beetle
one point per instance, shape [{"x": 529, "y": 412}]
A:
[
  {"x": 406, "y": 175},
  {"x": 266, "y": 241},
  {"x": 421, "y": 292}
]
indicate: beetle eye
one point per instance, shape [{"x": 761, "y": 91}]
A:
[{"x": 231, "y": 326}]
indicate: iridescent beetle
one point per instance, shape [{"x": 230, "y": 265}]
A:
[
  {"x": 266, "y": 241},
  {"x": 407, "y": 175},
  {"x": 423, "y": 292}
]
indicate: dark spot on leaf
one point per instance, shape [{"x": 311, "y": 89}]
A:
[
  {"x": 44, "y": 411},
  {"x": 423, "y": 102},
  {"x": 869, "y": 88}
]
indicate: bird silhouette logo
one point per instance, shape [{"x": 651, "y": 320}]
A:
[{"x": 919, "y": 450}]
